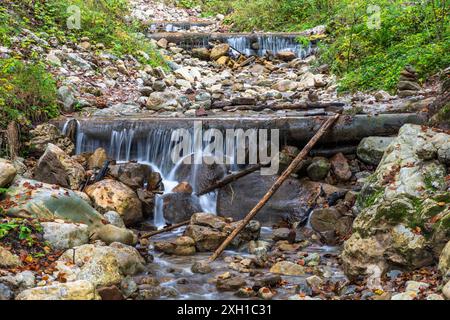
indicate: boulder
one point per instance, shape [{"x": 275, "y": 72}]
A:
[
  {"x": 103, "y": 265},
  {"x": 340, "y": 167},
  {"x": 114, "y": 218},
  {"x": 47, "y": 133},
  {"x": 8, "y": 259},
  {"x": 219, "y": 51},
  {"x": 183, "y": 187},
  {"x": 208, "y": 220},
  {"x": 7, "y": 172},
  {"x": 64, "y": 236},
  {"x": 67, "y": 98},
  {"x": 206, "y": 239},
  {"x": 111, "y": 195},
  {"x": 408, "y": 85},
  {"x": 201, "y": 53},
  {"x": 288, "y": 268},
  {"x": 77, "y": 290},
  {"x": 318, "y": 169},
  {"x": 289, "y": 202},
  {"x": 181, "y": 246},
  {"x": 446, "y": 290},
  {"x": 371, "y": 149},
  {"x": 403, "y": 207},
  {"x": 134, "y": 175},
  {"x": 286, "y": 55},
  {"x": 56, "y": 167},
  {"x": 202, "y": 267},
  {"x": 179, "y": 207},
  {"x": 111, "y": 233},
  {"x": 97, "y": 159},
  {"x": 42, "y": 201},
  {"x": 232, "y": 283}
]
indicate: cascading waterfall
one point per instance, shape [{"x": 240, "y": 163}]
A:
[
  {"x": 260, "y": 45},
  {"x": 154, "y": 149}
]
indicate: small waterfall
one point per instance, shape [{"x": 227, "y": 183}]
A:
[
  {"x": 153, "y": 146},
  {"x": 260, "y": 45}
]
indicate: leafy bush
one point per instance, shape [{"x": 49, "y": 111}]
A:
[
  {"x": 414, "y": 32},
  {"x": 27, "y": 92}
]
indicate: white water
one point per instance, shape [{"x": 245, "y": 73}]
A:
[{"x": 154, "y": 150}]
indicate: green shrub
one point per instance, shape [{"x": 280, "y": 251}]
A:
[{"x": 27, "y": 92}]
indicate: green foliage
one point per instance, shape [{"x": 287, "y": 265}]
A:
[
  {"x": 27, "y": 92},
  {"x": 366, "y": 58},
  {"x": 20, "y": 229}
]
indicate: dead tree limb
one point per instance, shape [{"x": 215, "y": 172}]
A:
[
  {"x": 174, "y": 226},
  {"x": 12, "y": 137},
  {"x": 229, "y": 178},
  {"x": 294, "y": 164}
]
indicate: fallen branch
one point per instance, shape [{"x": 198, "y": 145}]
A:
[
  {"x": 174, "y": 226},
  {"x": 294, "y": 164},
  {"x": 230, "y": 178}
]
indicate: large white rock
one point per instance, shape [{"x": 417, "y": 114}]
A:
[
  {"x": 77, "y": 290},
  {"x": 7, "y": 172},
  {"x": 64, "y": 236}
]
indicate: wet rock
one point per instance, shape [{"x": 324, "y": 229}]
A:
[
  {"x": 269, "y": 280},
  {"x": 179, "y": 207},
  {"x": 206, "y": 239},
  {"x": 111, "y": 195},
  {"x": 219, "y": 51},
  {"x": 202, "y": 267},
  {"x": 287, "y": 268},
  {"x": 110, "y": 293},
  {"x": 250, "y": 232},
  {"x": 340, "y": 167},
  {"x": 325, "y": 220},
  {"x": 371, "y": 149},
  {"x": 77, "y": 290},
  {"x": 128, "y": 286},
  {"x": 312, "y": 259},
  {"x": 318, "y": 169},
  {"x": 265, "y": 293},
  {"x": 56, "y": 167},
  {"x": 281, "y": 234},
  {"x": 148, "y": 202},
  {"x": 230, "y": 284},
  {"x": 97, "y": 159},
  {"x": 64, "y": 236},
  {"x": 182, "y": 246},
  {"x": 303, "y": 288},
  {"x": 315, "y": 282},
  {"x": 288, "y": 203},
  {"x": 134, "y": 175},
  {"x": 47, "y": 133},
  {"x": 208, "y": 220},
  {"x": 245, "y": 293},
  {"x": 183, "y": 187},
  {"x": 7, "y": 172},
  {"x": 8, "y": 259}
]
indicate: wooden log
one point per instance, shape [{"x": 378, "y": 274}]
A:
[
  {"x": 230, "y": 178},
  {"x": 294, "y": 164},
  {"x": 12, "y": 137},
  {"x": 174, "y": 226}
]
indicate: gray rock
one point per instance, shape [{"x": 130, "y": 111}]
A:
[
  {"x": 77, "y": 290},
  {"x": 64, "y": 236},
  {"x": 318, "y": 169},
  {"x": 67, "y": 98},
  {"x": 7, "y": 172},
  {"x": 5, "y": 292},
  {"x": 371, "y": 149},
  {"x": 115, "y": 219},
  {"x": 202, "y": 267}
]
